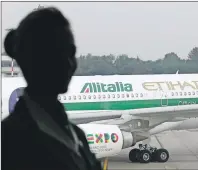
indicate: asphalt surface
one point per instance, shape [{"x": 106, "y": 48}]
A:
[{"x": 182, "y": 147}]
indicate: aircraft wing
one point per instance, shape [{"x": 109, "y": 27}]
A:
[
  {"x": 91, "y": 116},
  {"x": 184, "y": 111},
  {"x": 153, "y": 115}
]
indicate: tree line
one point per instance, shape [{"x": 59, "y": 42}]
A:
[{"x": 125, "y": 65}]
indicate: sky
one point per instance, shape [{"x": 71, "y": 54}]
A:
[{"x": 145, "y": 29}]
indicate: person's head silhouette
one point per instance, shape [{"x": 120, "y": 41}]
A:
[{"x": 44, "y": 48}]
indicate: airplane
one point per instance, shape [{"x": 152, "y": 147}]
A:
[{"x": 118, "y": 111}]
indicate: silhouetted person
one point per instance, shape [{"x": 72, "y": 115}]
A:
[{"x": 37, "y": 134}]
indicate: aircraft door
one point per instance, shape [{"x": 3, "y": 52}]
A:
[{"x": 164, "y": 98}]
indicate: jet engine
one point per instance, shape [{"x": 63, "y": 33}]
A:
[{"x": 107, "y": 140}]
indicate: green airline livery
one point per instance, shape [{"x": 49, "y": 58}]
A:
[
  {"x": 128, "y": 104},
  {"x": 101, "y": 87}
]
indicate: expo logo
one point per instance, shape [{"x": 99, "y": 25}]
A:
[{"x": 102, "y": 138}]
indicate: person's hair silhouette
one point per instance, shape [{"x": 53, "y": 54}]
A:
[{"x": 43, "y": 46}]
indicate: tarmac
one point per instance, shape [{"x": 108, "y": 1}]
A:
[{"x": 182, "y": 147}]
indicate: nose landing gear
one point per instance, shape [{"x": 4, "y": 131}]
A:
[{"x": 146, "y": 154}]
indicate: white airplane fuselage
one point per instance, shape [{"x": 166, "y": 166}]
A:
[
  {"x": 94, "y": 98},
  {"x": 166, "y": 102}
]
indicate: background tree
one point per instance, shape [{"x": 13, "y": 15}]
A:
[
  {"x": 193, "y": 55},
  {"x": 125, "y": 65}
]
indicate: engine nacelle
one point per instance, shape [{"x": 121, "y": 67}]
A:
[{"x": 106, "y": 140}]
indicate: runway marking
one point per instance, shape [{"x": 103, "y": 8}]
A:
[
  {"x": 105, "y": 166},
  {"x": 168, "y": 167}
]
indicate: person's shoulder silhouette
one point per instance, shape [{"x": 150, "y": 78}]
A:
[{"x": 37, "y": 134}]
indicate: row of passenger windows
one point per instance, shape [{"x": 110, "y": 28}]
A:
[
  {"x": 108, "y": 96},
  {"x": 113, "y": 96},
  {"x": 184, "y": 93}
]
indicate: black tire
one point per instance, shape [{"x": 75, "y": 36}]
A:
[
  {"x": 145, "y": 156},
  {"x": 133, "y": 155},
  {"x": 162, "y": 155}
]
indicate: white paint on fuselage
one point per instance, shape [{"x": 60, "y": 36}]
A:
[{"x": 77, "y": 83}]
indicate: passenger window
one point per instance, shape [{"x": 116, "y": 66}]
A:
[
  {"x": 141, "y": 95},
  {"x": 64, "y": 97},
  {"x": 99, "y": 96},
  {"x": 104, "y": 97},
  {"x": 94, "y": 96},
  {"x": 176, "y": 93},
  {"x": 185, "y": 93},
  {"x": 189, "y": 93},
  {"x": 193, "y": 93},
  {"x": 136, "y": 94},
  {"x": 132, "y": 95},
  {"x": 89, "y": 97},
  {"x": 122, "y": 95},
  {"x": 84, "y": 97},
  {"x": 172, "y": 93},
  {"x": 69, "y": 97},
  {"x": 109, "y": 96},
  {"x": 118, "y": 96},
  {"x": 180, "y": 93},
  {"x": 79, "y": 97},
  {"x": 74, "y": 97},
  {"x": 113, "y": 95},
  {"x": 127, "y": 95}
]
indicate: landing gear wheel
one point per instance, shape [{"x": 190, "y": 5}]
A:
[
  {"x": 144, "y": 156},
  {"x": 133, "y": 155},
  {"x": 162, "y": 155}
]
